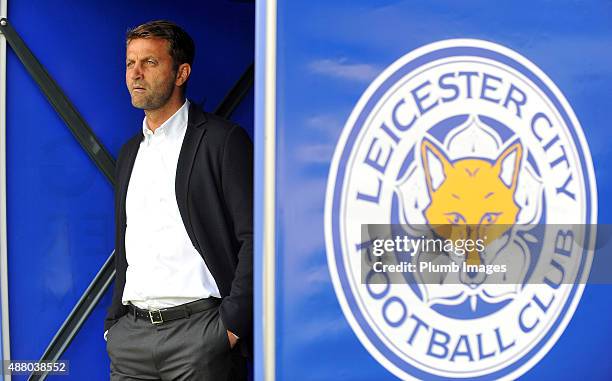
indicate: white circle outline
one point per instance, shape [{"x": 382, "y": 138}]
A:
[{"x": 365, "y": 97}]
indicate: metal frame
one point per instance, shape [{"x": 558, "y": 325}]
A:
[
  {"x": 233, "y": 98},
  {"x": 60, "y": 102},
  {"x": 6, "y": 343},
  {"x": 269, "y": 274},
  {"x": 101, "y": 158},
  {"x": 265, "y": 191}
]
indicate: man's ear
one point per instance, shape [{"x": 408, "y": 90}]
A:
[{"x": 182, "y": 74}]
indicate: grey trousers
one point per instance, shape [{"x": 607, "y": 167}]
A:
[{"x": 194, "y": 348}]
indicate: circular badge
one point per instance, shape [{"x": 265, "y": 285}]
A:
[{"x": 464, "y": 131}]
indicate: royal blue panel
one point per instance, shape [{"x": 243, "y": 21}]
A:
[
  {"x": 60, "y": 208},
  {"x": 328, "y": 54}
]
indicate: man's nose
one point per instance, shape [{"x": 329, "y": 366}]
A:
[{"x": 136, "y": 72}]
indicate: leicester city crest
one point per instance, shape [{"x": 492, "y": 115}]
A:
[{"x": 470, "y": 134}]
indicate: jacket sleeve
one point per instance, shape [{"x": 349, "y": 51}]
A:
[
  {"x": 237, "y": 186},
  {"x": 117, "y": 309}
]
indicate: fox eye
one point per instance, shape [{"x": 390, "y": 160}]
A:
[
  {"x": 455, "y": 218},
  {"x": 489, "y": 218}
]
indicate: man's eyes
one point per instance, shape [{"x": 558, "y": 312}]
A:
[{"x": 149, "y": 62}]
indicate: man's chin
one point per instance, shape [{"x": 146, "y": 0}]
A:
[
  {"x": 150, "y": 102},
  {"x": 140, "y": 104}
]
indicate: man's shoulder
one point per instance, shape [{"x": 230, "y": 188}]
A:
[
  {"x": 212, "y": 122},
  {"x": 217, "y": 128},
  {"x": 130, "y": 144},
  {"x": 218, "y": 123}
]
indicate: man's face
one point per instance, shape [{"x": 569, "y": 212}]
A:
[{"x": 149, "y": 73}]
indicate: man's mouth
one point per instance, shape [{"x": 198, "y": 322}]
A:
[{"x": 138, "y": 89}]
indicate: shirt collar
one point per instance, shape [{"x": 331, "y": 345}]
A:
[{"x": 171, "y": 126}]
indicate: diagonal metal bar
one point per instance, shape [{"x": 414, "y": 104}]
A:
[
  {"x": 60, "y": 102},
  {"x": 237, "y": 93},
  {"x": 105, "y": 162},
  {"x": 79, "y": 314}
]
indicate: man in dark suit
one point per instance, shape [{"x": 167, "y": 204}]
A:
[{"x": 182, "y": 302}]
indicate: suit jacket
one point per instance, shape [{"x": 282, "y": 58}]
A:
[{"x": 214, "y": 192}]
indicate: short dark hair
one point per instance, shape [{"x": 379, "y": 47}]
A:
[{"x": 182, "y": 47}]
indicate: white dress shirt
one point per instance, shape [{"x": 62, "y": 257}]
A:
[{"x": 164, "y": 269}]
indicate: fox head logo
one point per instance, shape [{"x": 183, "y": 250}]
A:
[{"x": 471, "y": 198}]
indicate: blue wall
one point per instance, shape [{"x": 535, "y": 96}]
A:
[
  {"x": 60, "y": 207},
  {"x": 328, "y": 54}
]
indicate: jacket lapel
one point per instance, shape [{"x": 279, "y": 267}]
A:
[
  {"x": 125, "y": 172},
  {"x": 193, "y": 136}
]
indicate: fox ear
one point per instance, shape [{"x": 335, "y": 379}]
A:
[
  {"x": 508, "y": 164},
  {"x": 435, "y": 164}
]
